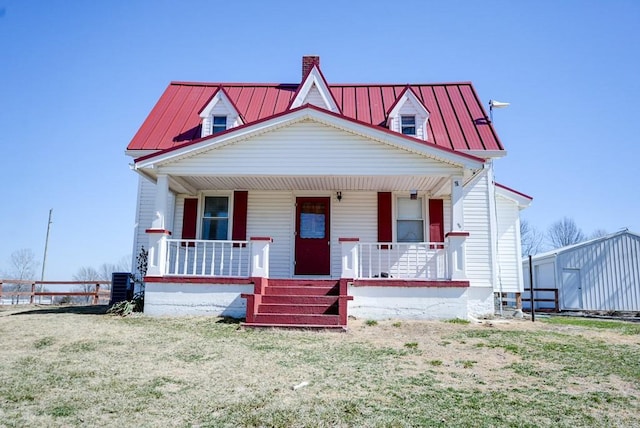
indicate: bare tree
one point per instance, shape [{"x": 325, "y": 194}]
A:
[
  {"x": 22, "y": 267},
  {"x": 89, "y": 276},
  {"x": 598, "y": 233},
  {"x": 564, "y": 232},
  {"x": 531, "y": 239}
]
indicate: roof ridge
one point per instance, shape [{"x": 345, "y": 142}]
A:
[{"x": 214, "y": 84}]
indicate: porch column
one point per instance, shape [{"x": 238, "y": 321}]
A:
[
  {"x": 158, "y": 232},
  {"x": 350, "y": 256},
  {"x": 457, "y": 208},
  {"x": 162, "y": 196},
  {"x": 457, "y": 236},
  {"x": 260, "y": 256},
  {"x": 157, "y": 260},
  {"x": 456, "y": 255}
]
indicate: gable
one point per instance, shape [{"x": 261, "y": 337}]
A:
[
  {"x": 308, "y": 148},
  {"x": 314, "y": 90}
]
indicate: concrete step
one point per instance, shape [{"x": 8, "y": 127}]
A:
[{"x": 340, "y": 328}]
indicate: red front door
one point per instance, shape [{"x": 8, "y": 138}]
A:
[{"x": 312, "y": 253}]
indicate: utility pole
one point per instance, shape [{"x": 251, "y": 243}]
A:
[{"x": 46, "y": 244}]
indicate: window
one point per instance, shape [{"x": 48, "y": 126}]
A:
[
  {"x": 410, "y": 224},
  {"x": 215, "y": 218},
  {"x": 219, "y": 124},
  {"x": 408, "y": 125}
]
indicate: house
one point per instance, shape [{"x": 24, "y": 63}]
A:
[
  {"x": 601, "y": 274},
  {"x": 304, "y": 203}
]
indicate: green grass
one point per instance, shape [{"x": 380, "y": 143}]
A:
[
  {"x": 623, "y": 327},
  {"x": 97, "y": 370}
]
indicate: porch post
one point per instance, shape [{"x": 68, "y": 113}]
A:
[
  {"x": 457, "y": 209},
  {"x": 457, "y": 237},
  {"x": 162, "y": 196},
  {"x": 158, "y": 232},
  {"x": 350, "y": 256},
  {"x": 260, "y": 256},
  {"x": 157, "y": 260}
]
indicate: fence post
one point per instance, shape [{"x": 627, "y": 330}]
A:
[
  {"x": 96, "y": 297},
  {"x": 0, "y": 292},
  {"x": 32, "y": 296}
]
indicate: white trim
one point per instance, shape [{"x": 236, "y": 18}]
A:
[
  {"x": 315, "y": 78},
  {"x": 485, "y": 154},
  {"x": 522, "y": 201}
]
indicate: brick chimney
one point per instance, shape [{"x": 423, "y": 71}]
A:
[{"x": 308, "y": 62}]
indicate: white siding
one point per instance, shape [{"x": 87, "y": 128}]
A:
[
  {"x": 509, "y": 260},
  {"x": 309, "y": 148},
  {"x": 145, "y": 208},
  {"x": 145, "y": 213},
  {"x": 476, "y": 222},
  {"x": 356, "y": 216},
  {"x": 272, "y": 214}
]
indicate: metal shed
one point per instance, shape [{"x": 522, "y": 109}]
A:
[{"x": 601, "y": 274}]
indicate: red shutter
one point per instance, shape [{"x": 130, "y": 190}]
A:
[
  {"x": 239, "y": 231},
  {"x": 190, "y": 219},
  {"x": 436, "y": 220},
  {"x": 385, "y": 218}
]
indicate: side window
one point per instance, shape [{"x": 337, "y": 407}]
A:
[
  {"x": 219, "y": 124},
  {"x": 215, "y": 218},
  {"x": 408, "y": 125},
  {"x": 410, "y": 222}
]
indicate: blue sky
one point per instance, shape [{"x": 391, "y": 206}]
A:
[{"x": 78, "y": 78}]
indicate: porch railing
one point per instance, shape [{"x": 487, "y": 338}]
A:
[
  {"x": 208, "y": 258},
  {"x": 419, "y": 260}
]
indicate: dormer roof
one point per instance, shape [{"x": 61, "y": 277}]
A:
[
  {"x": 315, "y": 90},
  {"x": 220, "y": 96},
  {"x": 407, "y": 95}
]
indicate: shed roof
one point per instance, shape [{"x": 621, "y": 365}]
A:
[
  {"x": 583, "y": 244},
  {"x": 458, "y": 120}
]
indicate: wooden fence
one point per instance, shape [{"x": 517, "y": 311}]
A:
[{"x": 96, "y": 295}]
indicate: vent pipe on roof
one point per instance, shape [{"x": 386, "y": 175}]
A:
[{"x": 308, "y": 61}]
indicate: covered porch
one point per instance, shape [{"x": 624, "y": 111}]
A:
[{"x": 346, "y": 229}]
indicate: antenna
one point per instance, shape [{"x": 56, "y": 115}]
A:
[
  {"x": 496, "y": 104},
  {"x": 46, "y": 244}
]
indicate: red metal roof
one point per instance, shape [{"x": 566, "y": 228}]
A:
[{"x": 457, "y": 118}]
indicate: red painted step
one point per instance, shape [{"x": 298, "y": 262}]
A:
[
  {"x": 312, "y": 319},
  {"x": 300, "y": 300},
  {"x": 300, "y": 290},
  {"x": 303, "y": 282},
  {"x": 286, "y": 308}
]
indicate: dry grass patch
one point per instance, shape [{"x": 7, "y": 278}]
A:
[{"x": 83, "y": 368}]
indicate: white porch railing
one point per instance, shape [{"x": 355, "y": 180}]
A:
[
  {"x": 186, "y": 257},
  {"x": 419, "y": 260}
]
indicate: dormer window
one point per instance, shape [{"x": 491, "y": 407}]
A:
[
  {"x": 219, "y": 114},
  {"x": 408, "y": 125},
  {"x": 219, "y": 124}
]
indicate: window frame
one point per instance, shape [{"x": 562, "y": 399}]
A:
[
  {"x": 409, "y": 127},
  {"x": 201, "y": 216},
  {"x": 217, "y": 128},
  {"x": 421, "y": 201}
]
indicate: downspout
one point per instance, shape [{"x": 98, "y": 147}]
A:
[{"x": 493, "y": 232}]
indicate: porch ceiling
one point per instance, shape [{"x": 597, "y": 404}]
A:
[{"x": 433, "y": 184}]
